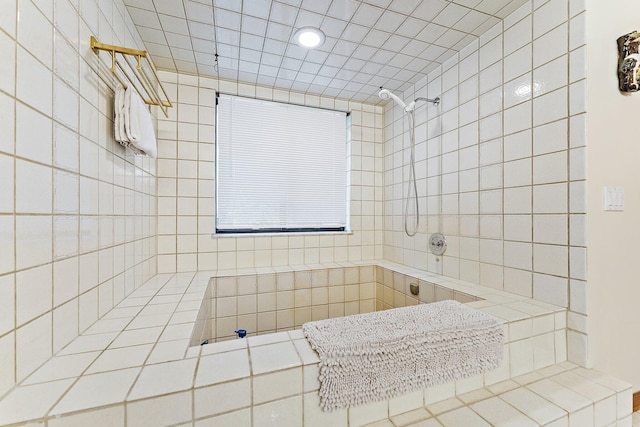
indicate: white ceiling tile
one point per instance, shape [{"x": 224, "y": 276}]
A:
[
  {"x": 295, "y": 51},
  {"x": 227, "y": 51},
  {"x": 371, "y": 68},
  {"x": 364, "y": 52},
  {"x": 249, "y": 41},
  {"x": 186, "y": 67},
  {"x": 467, "y": 3},
  {"x": 257, "y": 8},
  {"x": 254, "y": 26},
  {"x": 376, "y": 38},
  {"x": 490, "y": 23},
  {"x": 144, "y": 17},
  {"x": 228, "y": 19},
  {"x": 305, "y": 78},
  {"x": 418, "y": 64},
  {"x": 471, "y": 20},
  {"x": 309, "y": 19},
  {"x": 354, "y": 64},
  {"x": 309, "y": 67},
  {"x": 380, "y": 3},
  {"x": 337, "y": 84},
  {"x": 331, "y": 92},
  {"x": 321, "y": 80},
  {"x": 491, "y": 6},
  {"x": 186, "y": 55},
  {"x": 396, "y": 43},
  {"x": 170, "y": 7},
  {"x": 317, "y": 6},
  {"x": 178, "y": 40},
  {"x": 158, "y": 50},
  {"x": 433, "y": 52},
  {"x": 333, "y": 27},
  {"x": 226, "y": 36},
  {"x": 404, "y": 75},
  {"x": 283, "y": 13},
  {"x": 428, "y": 10},
  {"x": 291, "y": 64},
  {"x": 344, "y": 47},
  {"x": 199, "y": 12},
  {"x": 345, "y": 74},
  {"x": 275, "y": 47},
  {"x": 248, "y": 67},
  {"x": 200, "y": 45},
  {"x": 151, "y": 35},
  {"x": 411, "y": 27},
  {"x": 328, "y": 71},
  {"x": 166, "y": 63},
  {"x": 390, "y": 21},
  {"x": 431, "y": 33},
  {"x": 201, "y": 31},
  {"x": 278, "y": 31},
  {"x": 268, "y": 70},
  {"x": 450, "y": 38},
  {"x": 317, "y": 56},
  {"x": 466, "y": 41},
  {"x": 173, "y": 24},
  {"x": 343, "y": 9},
  {"x": 405, "y": 6},
  {"x": 450, "y": 15},
  {"x": 414, "y": 47},
  {"x": 244, "y": 76},
  {"x": 509, "y": 8},
  {"x": 271, "y": 59},
  {"x": 361, "y": 78},
  {"x": 250, "y": 55},
  {"x": 383, "y": 56},
  {"x": 265, "y": 80},
  {"x": 141, "y": 4},
  {"x": 205, "y": 59},
  {"x": 367, "y": 15},
  {"x": 233, "y": 5},
  {"x": 227, "y": 73},
  {"x": 369, "y": 43},
  {"x": 295, "y": 3},
  {"x": 354, "y": 33}
]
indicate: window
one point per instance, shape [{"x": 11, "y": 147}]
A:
[{"x": 279, "y": 167}]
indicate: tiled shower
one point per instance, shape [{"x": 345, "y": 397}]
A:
[{"x": 501, "y": 172}]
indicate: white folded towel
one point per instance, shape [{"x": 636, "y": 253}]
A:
[
  {"x": 138, "y": 124},
  {"x": 118, "y": 123}
]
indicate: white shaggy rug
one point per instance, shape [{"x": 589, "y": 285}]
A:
[{"x": 375, "y": 356}]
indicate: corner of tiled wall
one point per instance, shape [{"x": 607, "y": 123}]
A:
[
  {"x": 505, "y": 162},
  {"x": 77, "y": 211}
]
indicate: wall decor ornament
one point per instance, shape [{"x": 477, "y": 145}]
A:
[{"x": 629, "y": 62}]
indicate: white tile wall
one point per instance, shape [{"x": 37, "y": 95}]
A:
[
  {"x": 186, "y": 186},
  {"x": 78, "y": 233},
  {"x": 505, "y": 154}
]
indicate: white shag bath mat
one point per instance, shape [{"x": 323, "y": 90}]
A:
[{"x": 375, "y": 356}]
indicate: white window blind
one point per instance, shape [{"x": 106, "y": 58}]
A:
[{"x": 279, "y": 167}]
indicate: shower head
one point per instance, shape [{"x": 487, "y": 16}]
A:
[{"x": 386, "y": 94}]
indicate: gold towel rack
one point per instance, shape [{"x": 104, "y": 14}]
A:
[{"x": 130, "y": 66}]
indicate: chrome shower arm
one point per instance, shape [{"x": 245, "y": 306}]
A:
[{"x": 434, "y": 101}]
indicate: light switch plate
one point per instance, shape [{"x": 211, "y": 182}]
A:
[{"x": 613, "y": 199}]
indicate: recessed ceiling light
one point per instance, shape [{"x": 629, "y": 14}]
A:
[{"x": 309, "y": 37}]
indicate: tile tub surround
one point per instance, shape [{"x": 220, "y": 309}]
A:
[
  {"x": 277, "y": 301},
  {"x": 137, "y": 361}
]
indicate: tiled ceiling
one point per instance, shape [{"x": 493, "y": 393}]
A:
[{"x": 369, "y": 43}]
